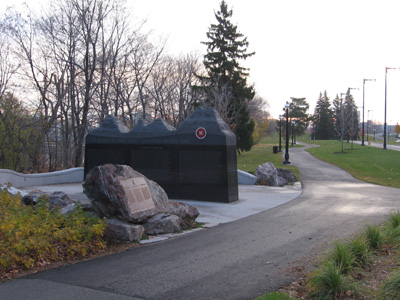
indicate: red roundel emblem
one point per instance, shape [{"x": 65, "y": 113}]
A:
[{"x": 201, "y": 133}]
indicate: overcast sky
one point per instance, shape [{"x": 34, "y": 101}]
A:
[{"x": 303, "y": 47}]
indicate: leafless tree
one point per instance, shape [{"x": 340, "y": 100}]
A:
[
  {"x": 219, "y": 96},
  {"x": 8, "y": 63},
  {"x": 171, "y": 90}
]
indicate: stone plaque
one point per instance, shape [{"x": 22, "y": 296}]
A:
[{"x": 138, "y": 194}]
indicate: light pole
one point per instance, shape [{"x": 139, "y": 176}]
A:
[
  {"x": 384, "y": 122},
  {"x": 364, "y": 80},
  {"x": 280, "y": 133},
  {"x": 287, "y": 162}
]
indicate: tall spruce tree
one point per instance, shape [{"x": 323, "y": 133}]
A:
[
  {"x": 226, "y": 46},
  {"x": 298, "y": 113},
  {"x": 350, "y": 108},
  {"x": 323, "y": 119}
]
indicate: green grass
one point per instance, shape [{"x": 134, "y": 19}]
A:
[
  {"x": 368, "y": 164},
  {"x": 391, "y": 288},
  {"x": 262, "y": 153},
  {"x": 275, "y": 296}
]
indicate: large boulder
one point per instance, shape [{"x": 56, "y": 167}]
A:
[
  {"x": 55, "y": 199},
  {"x": 118, "y": 191},
  {"x": 287, "y": 174},
  {"x": 162, "y": 224},
  {"x": 187, "y": 213},
  {"x": 119, "y": 231},
  {"x": 267, "y": 173}
]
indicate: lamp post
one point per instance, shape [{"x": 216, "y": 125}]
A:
[
  {"x": 287, "y": 162},
  {"x": 364, "y": 80},
  {"x": 280, "y": 133},
  {"x": 384, "y": 122}
]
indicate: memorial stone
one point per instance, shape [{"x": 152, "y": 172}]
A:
[{"x": 197, "y": 161}]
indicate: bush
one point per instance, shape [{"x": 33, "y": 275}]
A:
[
  {"x": 342, "y": 257},
  {"x": 359, "y": 247},
  {"x": 327, "y": 281},
  {"x": 37, "y": 234},
  {"x": 374, "y": 237},
  {"x": 395, "y": 219}
]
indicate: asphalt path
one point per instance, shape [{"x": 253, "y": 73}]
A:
[{"x": 241, "y": 259}]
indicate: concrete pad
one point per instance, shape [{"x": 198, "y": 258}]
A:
[{"x": 252, "y": 200}]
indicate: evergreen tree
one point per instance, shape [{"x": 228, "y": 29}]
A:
[
  {"x": 350, "y": 111},
  {"x": 323, "y": 119},
  {"x": 298, "y": 113},
  {"x": 226, "y": 46}
]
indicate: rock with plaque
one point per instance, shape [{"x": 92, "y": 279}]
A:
[
  {"x": 138, "y": 194},
  {"x": 125, "y": 197},
  {"x": 197, "y": 161}
]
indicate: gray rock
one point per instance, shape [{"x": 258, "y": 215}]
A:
[
  {"x": 187, "y": 213},
  {"x": 33, "y": 197},
  {"x": 119, "y": 231},
  {"x": 162, "y": 224},
  {"x": 287, "y": 174},
  {"x": 59, "y": 199},
  {"x": 56, "y": 199},
  {"x": 267, "y": 172},
  {"x": 70, "y": 208}
]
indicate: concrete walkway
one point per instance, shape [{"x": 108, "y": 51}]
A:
[
  {"x": 236, "y": 260},
  {"x": 380, "y": 145}
]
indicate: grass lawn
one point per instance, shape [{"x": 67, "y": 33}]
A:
[
  {"x": 262, "y": 153},
  {"x": 368, "y": 164}
]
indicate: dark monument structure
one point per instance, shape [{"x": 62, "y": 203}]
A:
[{"x": 197, "y": 161}]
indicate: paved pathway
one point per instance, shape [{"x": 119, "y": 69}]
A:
[
  {"x": 395, "y": 147},
  {"x": 237, "y": 260}
]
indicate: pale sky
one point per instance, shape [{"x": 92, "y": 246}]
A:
[{"x": 303, "y": 47}]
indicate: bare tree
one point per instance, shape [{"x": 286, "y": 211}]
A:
[
  {"x": 8, "y": 63},
  {"x": 219, "y": 96},
  {"x": 171, "y": 90}
]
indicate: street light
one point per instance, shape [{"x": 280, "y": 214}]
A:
[
  {"x": 364, "y": 80},
  {"x": 287, "y": 162},
  {"x": 280, "y": 133},
  {"x": 384, "y": 123}
]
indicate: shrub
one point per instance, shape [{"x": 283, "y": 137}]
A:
[
  {"x": 373, "y": 237},
  {"x": 327, "y": 281},
  {"x": 359, "y": 247},
  {"x": 342, "y": 257},
  {"x": 37, "y": 234},
  {"x": 395, "y": 219}
]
